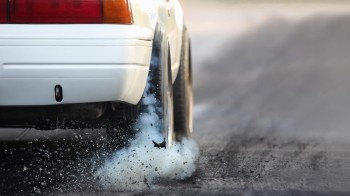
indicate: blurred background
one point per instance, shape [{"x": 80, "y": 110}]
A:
[
  {"x": 272, "y": 95},
  {"x": 273, "y": 63}
]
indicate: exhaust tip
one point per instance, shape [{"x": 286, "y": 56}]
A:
[{"x": 58, "y": 93}]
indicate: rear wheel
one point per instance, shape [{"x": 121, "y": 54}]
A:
[
  {"x": 167, "y": 101},
  {"x": 162, "y": 84},
  {"x": 120, "y": 132},
  {"x": 183, "y": 96}
]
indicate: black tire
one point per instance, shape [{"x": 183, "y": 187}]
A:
[
  {"x": 183, "y": 94},
  {"x": 161, "y": 80}
]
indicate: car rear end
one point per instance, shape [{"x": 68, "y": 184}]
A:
[{"x": 76, "y": 52}]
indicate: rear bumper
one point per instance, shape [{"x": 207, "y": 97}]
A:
[{"x": 92, "y": 63}]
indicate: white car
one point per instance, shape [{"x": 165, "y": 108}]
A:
[{"x": 85, "y": 63}]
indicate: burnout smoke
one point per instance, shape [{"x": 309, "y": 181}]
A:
[{"x": 140, "y": 164}]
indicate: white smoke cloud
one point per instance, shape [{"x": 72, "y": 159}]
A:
[{"x": 140, "y": 164}]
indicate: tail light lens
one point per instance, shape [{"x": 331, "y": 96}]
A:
[
  {"x": 65, "y": 11},
  {"x": 3, "y": 11},
  {"x": 116, "y": 11},
  {"x": 56, "y": 11}
]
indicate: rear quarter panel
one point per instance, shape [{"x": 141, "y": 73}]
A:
[{"x": 168, "y": 14}]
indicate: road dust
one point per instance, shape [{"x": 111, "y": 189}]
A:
[{"x": 139, "y": 165}]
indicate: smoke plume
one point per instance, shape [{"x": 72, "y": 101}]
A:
[{"x": 140, "y": 164}]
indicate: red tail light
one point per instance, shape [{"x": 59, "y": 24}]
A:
[
  {"x": 3, "y": 11},
  {"x": 56, "y": 11},
  {"x": 65, "y": 11}
]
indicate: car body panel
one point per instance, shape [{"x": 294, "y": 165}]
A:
[
  {"x": 169, "y": 15},
  {"x": 92, "y": 62}
]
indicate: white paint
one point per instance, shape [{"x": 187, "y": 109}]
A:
[{"x": 36, "y": 58}]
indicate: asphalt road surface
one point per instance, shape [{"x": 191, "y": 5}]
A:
[
  {"x": 272, "y": 114},
  {"x": 273, "y": 103}
]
